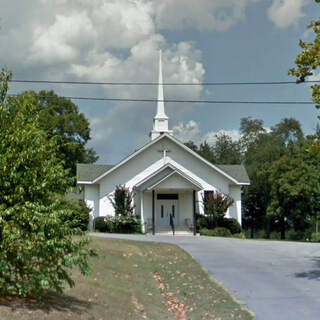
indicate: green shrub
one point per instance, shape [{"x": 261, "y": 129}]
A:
[
  {"x": 259, "y": 234},
  {"x": 295, "y": 235},
  {"x": 238, "y": 236},
  {"x": 205, "y": 232},
  {"x": 217, "y": 232},
  {"x": 76, "y": 214},
  {"x": 221, "y": 232},
  {"x": 202, "y": 222},
  {"x": 215, "y": 205},
  {"x": 275, "y": 235},
  {"x": 122, "y": 201},
  {"x": 231, "y": 224},
  {"x": 37, "y": 249},
  {"x": 315, "y": 237},
  {"x": 118, "y": 224},
  {"x": 100, "y": 224}
]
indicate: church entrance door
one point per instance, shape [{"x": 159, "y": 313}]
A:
[{"x": 165, "y": 207}]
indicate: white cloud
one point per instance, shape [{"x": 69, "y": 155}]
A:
[
  {"x": 189, "y": 131},
  {"x": 61, "y": 41},
  {"x": 314, "y": 77},
  {"x": 211, "y": 137},
  {"x": 217, "y": 15},
  {"x": 284, "y": 13},
  {"x": 113, "y": 41}
]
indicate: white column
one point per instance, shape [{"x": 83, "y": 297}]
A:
[{"x": 141, "y": 211}]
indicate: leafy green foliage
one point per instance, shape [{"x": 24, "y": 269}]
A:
[
  {"x": 122, "y": 201},
  {"x": 309, "y": 60},
  {"x": 231, "y": 224},
  {"x": 261, "y": 150},
  {"x": 118, "y": 224},
  {"x": 99, "y": 224},
  {"x": 315, "y": 237},
  {"x": 224, "y": 151},
  {"x": 217, "y": 232},
  {"x": 205, "y": 222},
  {"x": 296, "y": 235},
  {"x": 295, "y": 191},
  {"x": 36, "y": 248},
  {"x": 215, "y": 205},
  {"x": 76, "y": 213},
  {"x": 60, "y": 117},
  {"x": 239, "y": 236}
]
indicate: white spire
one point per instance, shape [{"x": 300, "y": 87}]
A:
[
  {"x": 160, "y": 121},
  {"x": 160, "y": 105}
]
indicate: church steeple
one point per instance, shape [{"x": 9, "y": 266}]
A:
[{"x": 160, "y": 121}]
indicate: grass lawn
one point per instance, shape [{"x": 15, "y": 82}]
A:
[{"x": 134, "y": 280}]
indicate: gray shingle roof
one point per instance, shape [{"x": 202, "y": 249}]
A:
[
  {"x": 237, "y": 172},
  {"x": 89, "y": 172}
]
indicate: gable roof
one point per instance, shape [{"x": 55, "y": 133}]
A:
[
  {"x": 174, "y": 170},
  {"x": 180, "y": 174},
  {"x": 89, "y": 172},
  {"x": 236, "y": 172}
]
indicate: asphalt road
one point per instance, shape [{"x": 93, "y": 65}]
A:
[{"x": 276, "y": 280}]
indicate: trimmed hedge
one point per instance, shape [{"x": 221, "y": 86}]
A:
[
  {"x": 203, "y": 222},
  {"x": 315, "y": 237},
  {"x": 217, "y": 232},
  {"x": 231, "y": 224},
  {"x": 221, "y": 232},
  {"x": 117, "y": 224},
  {"x": 239, "y": 236}
]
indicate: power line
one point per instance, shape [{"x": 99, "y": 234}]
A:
[
  {"x": 182, "y": 101},
  {"x": 165, "y": 84}
]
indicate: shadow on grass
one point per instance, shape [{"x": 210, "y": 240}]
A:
[
  {"x": 50, "y": 302},
  {"x": 311, "y": 274}
]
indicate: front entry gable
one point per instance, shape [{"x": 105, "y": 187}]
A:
[
  {"x": 168, "y": 177},
  {"x": 176, "y": 181}
]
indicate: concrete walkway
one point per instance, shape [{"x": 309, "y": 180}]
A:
[{"x": 276, "y": 280}]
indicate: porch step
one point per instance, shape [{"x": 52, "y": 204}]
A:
[{"x": 179, "y": 231}]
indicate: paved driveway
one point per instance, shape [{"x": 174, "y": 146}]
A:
[{"x": 276, "y": 280}]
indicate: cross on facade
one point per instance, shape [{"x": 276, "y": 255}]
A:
[{"x": 164, "y": 151}]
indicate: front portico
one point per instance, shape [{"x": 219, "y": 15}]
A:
[{"x": 167, "y": 191}]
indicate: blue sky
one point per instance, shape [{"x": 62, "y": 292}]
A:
[{"x": 202, "y": 41}]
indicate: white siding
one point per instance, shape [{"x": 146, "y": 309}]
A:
[
  {"x": 185, "y": 207},
  {"x": 147, "y": 210},
  {"x": 147, "y": 162},
  {"x": 235, "y": 209},
  {"x": 91, "y": 196}
]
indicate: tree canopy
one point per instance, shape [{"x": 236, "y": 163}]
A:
[
  {"x": 36, "y": 248},
  {"x": 283, "y": 168},
  {"x": 308, "y": 61},
  {"x": 61, "y": 118}
]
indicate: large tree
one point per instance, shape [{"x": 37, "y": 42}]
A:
[
  {"x": 223, "y": 151},
  {"x": 37, "y": 249},
  {"x": 295, "y": 189},
  {"x": 226, "y": 150},
  {"x": 308, "y": 61},
  {"x": 61, "y": 118},
  {"x": 261, "y": 150}
]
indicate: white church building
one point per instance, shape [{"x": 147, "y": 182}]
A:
[{"x": 166, "y": 177}]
